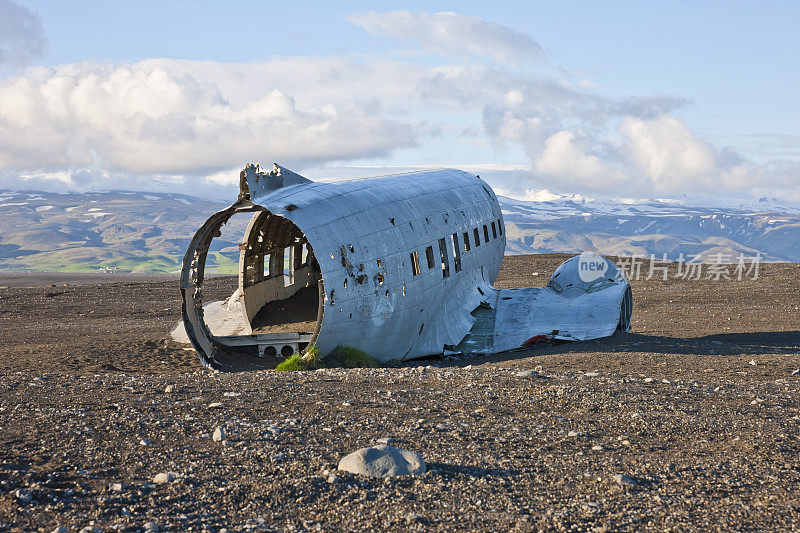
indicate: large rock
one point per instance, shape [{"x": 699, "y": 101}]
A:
[{"x": 383, "y": 461}]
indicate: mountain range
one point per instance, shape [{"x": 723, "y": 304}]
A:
[{"x": 149, "y": 232}]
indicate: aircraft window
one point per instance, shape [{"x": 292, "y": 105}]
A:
[
  {"x": 477, "y": 237},
  {"x": 466, "y": 241},
  {"x": 267, "y": 259},
  {"x": 288, "y": 266},
  {"x": 500, "y": 226},
  {"x": 485, "y": 233},
  {"x": 429, "y": 255},
  {"x": 443, "y": 257},
  {"x": 494, "y": 230},
  {"x": 456, "y": 253},
  {"x": 414, "y": 263}
]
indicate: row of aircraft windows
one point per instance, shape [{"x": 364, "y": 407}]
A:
[{"x": 456, "y": 247}]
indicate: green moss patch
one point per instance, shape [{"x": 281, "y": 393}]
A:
[{"x": 350, "y": 357}]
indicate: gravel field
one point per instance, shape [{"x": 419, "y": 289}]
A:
[{"x": 689, "y": 422}]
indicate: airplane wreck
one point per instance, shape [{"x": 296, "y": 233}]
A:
[{"x": 400, "y": 266}]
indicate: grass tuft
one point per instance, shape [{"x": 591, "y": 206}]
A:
[
  {"x": 309, "y": 360},
  {"x": 350, "y": 357}
]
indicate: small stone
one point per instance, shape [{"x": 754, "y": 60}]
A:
[
  {"x": 115, "y": 487},
  {"x": 169, "y": 388},
  {"x": 333, "y": 478},
  {"x": 163, "y": 477},
  {"x": 573, "y": 433},
  {"x": 591, "y": 374},
  {"x": 413, "y": 518},
  {"x": 648, "y": 380},
  {"x": 626, "y": 442},
  {"x": 91, "y": 529},
  {"x": 151, "y": 527},
  {"x": 278, "y": 457},
  {"x": 60, "y": 529},
  {"x": 597, "y": 448},
  {"x": 23, "y": 495},
  {"x": 525, "y": 374},
  {"x": 624, "y": 481},
  {"x": 231, "y": 394},
  {"x": 215, "y": 405},
  {"x": 383, "y": 460},
  {"x": 385, "y": 440},
  {"x": 219, "y": 434},
  {"x": 753, "y": 362},
  {"x": 795, "y": 372}
]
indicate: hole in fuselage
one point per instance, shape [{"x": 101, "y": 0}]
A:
[{"x": 281, "y": 293}]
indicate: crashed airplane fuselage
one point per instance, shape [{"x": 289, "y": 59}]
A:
[{"x": 399, "y": 266}]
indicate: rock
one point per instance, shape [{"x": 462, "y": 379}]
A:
[
  {"x": 333, "y": 478},
  {"x": 169, "y": 388},
  {"x": 753, "y": 362},
  {"x": 115, "y": 487},
  {"x": 231, "y": 394},
  {"x": 383, "y": 461},
  {"x": 23, "y": 495},
  {"x": 526, "y": 374},
  {"x": 60, "y": 529},
  {"x": 413, "y": 518},
  {"x": 164, "y": 477},
  {"x": 648, "y": 380},
  {"x": 597, "y": 448},
  {"x": 151, "y": 527},
  {"x": 573, "y": 433},
  {"x": 215, "y": 405},
  {"x": 385, "y": 440},
  {"x": 624, "y": 481},
  {"x": 219, "y": 434},
  {"x": 91, "y": 529}
]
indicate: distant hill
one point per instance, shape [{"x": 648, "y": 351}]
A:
[
  {"x": 149, "y": 232},
  {"x": 652, "y": 227},
  {"x": 127, "y": 231}
]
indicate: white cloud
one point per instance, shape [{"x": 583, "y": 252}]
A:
[
  {"x": 22, "y": 37},
  {"x": 452, "y": 34},
  {"x": 666, "y": 152},
  {"x": 156, "y": 116},
  {"x": 565, "y": 157}
]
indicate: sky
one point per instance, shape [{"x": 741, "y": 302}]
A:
[{"x": 633, "y": 99}]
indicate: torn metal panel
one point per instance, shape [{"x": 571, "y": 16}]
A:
[
  {"x": 399, "y": 263},
  {"x": 568, "y": 308}
]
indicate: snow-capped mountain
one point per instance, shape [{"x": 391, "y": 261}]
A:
[
  {"x": 135, "y": 231},
  {"x": 674, "y": 228}
]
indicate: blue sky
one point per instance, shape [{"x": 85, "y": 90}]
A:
[{"x": 623, "y": 97}]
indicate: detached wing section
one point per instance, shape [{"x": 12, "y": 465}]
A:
[{"x": 568, "y": 308}]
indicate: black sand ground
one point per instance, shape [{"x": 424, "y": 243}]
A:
[{"x": 698, "y": 406}]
